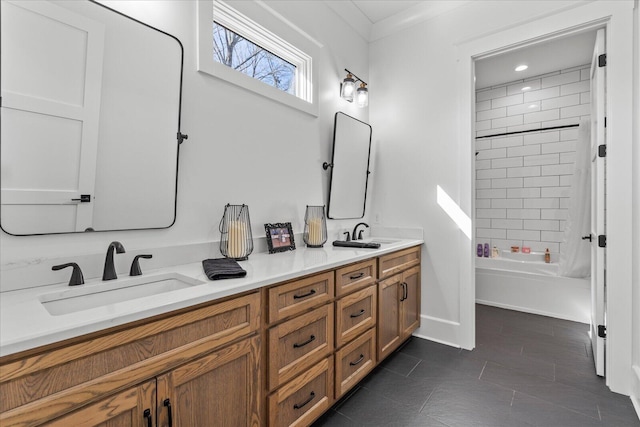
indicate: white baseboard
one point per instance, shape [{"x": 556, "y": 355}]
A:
[
  {"x": 439, "y": 330},
  {"x": 636, "y": 404},
  {"x": 531, "y": 310},
  {"x": 635, "y": 389}
]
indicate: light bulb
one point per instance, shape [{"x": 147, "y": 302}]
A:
[
  {"x": 348, "y": 88},
  {"x": 362, "y": 98}
]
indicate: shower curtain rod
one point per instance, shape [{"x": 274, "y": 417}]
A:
[{"x": 527, "y": 131}]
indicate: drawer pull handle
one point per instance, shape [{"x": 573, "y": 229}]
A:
[
  {"x": 147, "y": 415},
  {"x": 357, "y": 361},
  {"x": 311, "y": 339},
  {"x": 167, "y": 403},
  {"x": 308, "y": 294},
  {"x": 303, "y": 404},
  {"x": 358, "y": 314},
  {"x": 356, "y": 276}
]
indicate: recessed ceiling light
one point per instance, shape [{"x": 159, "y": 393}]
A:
[
  {"x": 521, "y": 67},
  {"x": 526, "y": 88}
]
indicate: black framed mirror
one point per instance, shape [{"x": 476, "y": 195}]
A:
[
  {"x": 349, "y": 168},
  {"x": 90, "y": 119}
]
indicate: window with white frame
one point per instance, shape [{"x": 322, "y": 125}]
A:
[
  {"x": 235, "y": 51},
  {"x": 234, "y": 47}
]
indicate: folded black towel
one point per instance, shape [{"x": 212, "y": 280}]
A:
[{"x": 222, "y": 268}]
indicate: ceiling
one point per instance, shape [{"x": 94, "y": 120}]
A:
[
  {"x": 375, "y": 19},
  {"x": 377, "y": 10},
  {"x": 542, "y": 58}
]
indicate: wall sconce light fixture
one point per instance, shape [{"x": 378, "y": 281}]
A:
[{"x": 348, "y": 89}]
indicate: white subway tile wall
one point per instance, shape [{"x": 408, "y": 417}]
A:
[{"x": 523, "y": 182}]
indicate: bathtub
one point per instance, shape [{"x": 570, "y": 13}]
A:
[{"x": 524, "y": 282}]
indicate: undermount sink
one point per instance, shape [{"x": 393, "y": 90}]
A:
[
  {"x": 382, "y": 241},
  {"x": 102, "y": 294}
]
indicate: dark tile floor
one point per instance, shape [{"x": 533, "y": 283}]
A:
[{"x": 526, "y": 370}]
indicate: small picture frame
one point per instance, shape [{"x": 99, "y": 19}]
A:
[{"x": 280, "y": 237}]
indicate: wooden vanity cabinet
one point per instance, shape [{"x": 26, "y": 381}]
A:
[
  {"x": 355, "y": 276},
  {"x": 396, "y": 262},
  {"x": 223, "y": 363},
  {"x": 113, "y": 378},
  {"x": 300, "y": 345},
  {"x": 410, "y": 309},
  {"x": 303, "y": 400},
  {"x": 217, "y": 389},
  {"x": 221, "y": 388},
  {"x": 356, "y": 319},
  {"x": 134, "y": 407},
  {"x": 398, "y": 299},
  {"x": 354, "y": 361}
]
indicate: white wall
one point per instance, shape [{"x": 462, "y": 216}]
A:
[
  {"x": 635, "y": 389},
  {"x": 234, "y": 138},
  {"x": 422, "y": 105}
]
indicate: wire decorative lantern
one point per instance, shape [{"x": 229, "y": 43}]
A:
[
  {"x": 236, "y": 241},
  {"x": 315, "y": 227}
]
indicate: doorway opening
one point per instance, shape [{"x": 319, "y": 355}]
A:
[{"x": 535, "y": 159}]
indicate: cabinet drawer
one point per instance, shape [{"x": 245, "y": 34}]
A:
[
  {"x": 355, "y": 313},
  {"x": 356, "y": 276},
  {"x": 305, "y": 398},
  {"x": 388, "y": 265},
  {"x": 354, "y": 361},
  {"x": 295, "y": 297},
  {"x": 297, "y": 344}
]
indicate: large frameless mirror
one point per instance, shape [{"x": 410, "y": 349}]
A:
[
  {"x": 350, "y": 171},
  {"x": 90, "y": 119}
]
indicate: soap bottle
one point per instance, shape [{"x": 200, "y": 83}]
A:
[
  {"x": 486, "y": 250},
  {"x": 479, "y": 252},
  {"x": 547, "y": 256},
  {"x": 494, "y": 252}
]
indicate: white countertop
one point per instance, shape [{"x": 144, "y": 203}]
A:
[{"x": 26, "y": 324}]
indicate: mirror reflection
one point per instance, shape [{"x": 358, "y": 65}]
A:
[
  {"x": 90, "y": 119},
  {"x": 350, "y": 171}
]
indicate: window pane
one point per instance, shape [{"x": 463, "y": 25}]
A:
[{"x": 238, "y": 53}]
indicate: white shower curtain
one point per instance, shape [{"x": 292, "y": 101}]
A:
[{"x": 575, "y": 256}]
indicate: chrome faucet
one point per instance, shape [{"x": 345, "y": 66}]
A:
[
  {"x": 109, "y": 272},
  {"x": 355, "y": 229}
]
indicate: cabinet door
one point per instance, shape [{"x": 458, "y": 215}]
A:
[
  {"x": 134, "y": 407},
  {"x": 220, "y": 389},
  {"x": 389, "y": 327},
  {"x": 410, "y": 310}
]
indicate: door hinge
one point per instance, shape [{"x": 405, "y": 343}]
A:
[
  {"x": 602, "y": 60},
  {"x": 602, "y": 241},
  {"x": 182, "y": 137},
  {"x": 602, "y": 150},
  {"x": 602, "y": 331}
]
